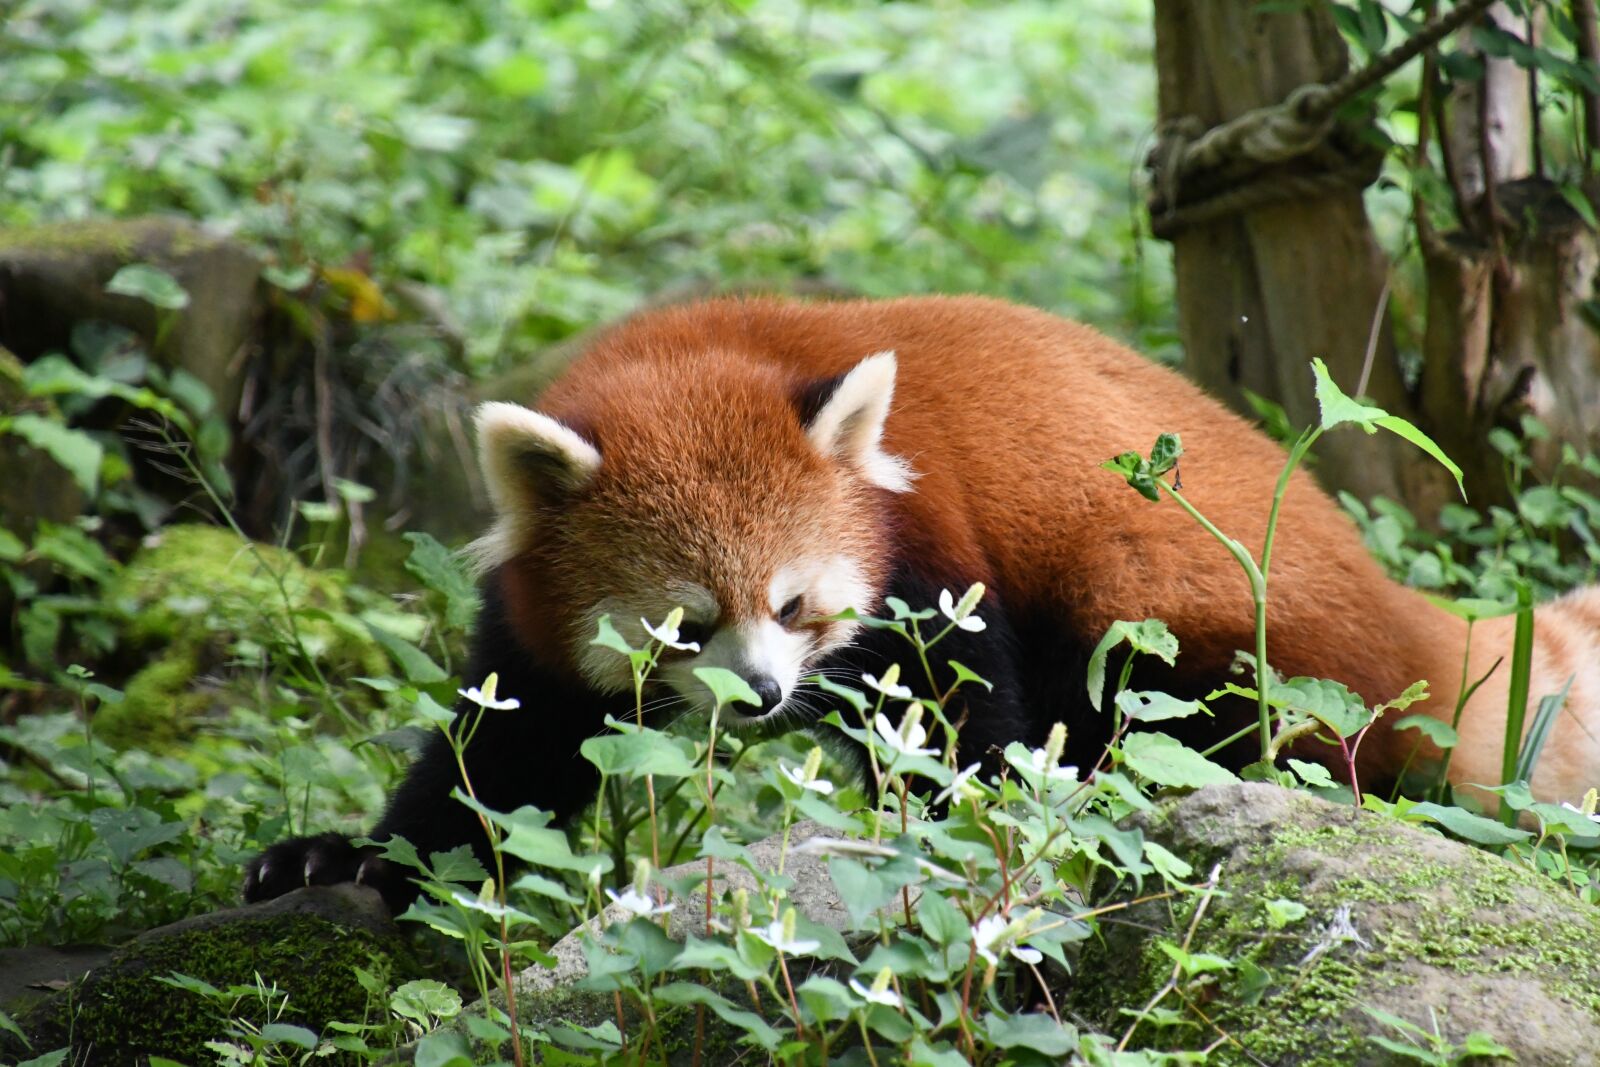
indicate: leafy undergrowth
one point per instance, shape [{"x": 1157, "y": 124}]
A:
[{"x": 966, "y": 896}]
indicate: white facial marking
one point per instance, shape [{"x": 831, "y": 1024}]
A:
[{"x": 849, "y": 426}]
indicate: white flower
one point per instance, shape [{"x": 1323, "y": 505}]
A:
[
  {"x": 961, "y": 614},
  {"x": 797, "y": 775},
  {"x": 889, "y": 687},
  {"x": 1053, "y": 772},
  {"x": 1591, "y": 816},
  {"x": 638, "y": 903},
  {"x": 667, "y": 632},
  {"x": 990, "y": 931},
  {"x": 485, "y": 698},
  {"x": 956, "y": 784},
  {"x": 878, "y": 992},
  {"x": 905, "y": 739},
  {"x": 781, "y": 936}
]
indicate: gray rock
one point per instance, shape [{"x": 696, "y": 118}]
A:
[
  {"x": 812, "y": 895},
  {"x": 1399, "y": 919}
]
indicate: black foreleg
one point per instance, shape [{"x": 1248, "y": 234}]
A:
[{"x": 515, "y": 757}]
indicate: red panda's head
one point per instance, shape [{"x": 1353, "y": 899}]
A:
[{"x": 710, "y": 482}]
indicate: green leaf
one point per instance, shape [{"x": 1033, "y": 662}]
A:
[
  {"x": 151, "y": 284},
  {"x": 964, "y": 675},
  {"x": 57, "y": 1057},
  {"x": 1314, "y": 774},
  {"x": 1396, "y": 425},
  {"x": 1473, "y": 608},
  {"x": 940, "y": 919},
  {"x": 606, "y": 636},
  {"x": 287, "y": 1033},
  {"x": 1440, "y": 733},
  {"x": 1135, "y": 470},
  {"x": 638, "y": 753},
  {"x": 1167, "y": 761},
  {"x": 441, "y": 570},
  {"x": 9, "y": 1026},
  {"x": 424, "y": 1000},
  {"x": 1328, "y": 701},
  {"x": 1281, "y": 912},
  {"x": 532, "y": 840},
  {"x": 726, "y": 686},
  {"x": 1150, "y": 637},
  {"x": 1032, "y": 1030},
  {"x": 1154, "y": 707},
  {"x": 827, "y": 998},
  {"x": 78, "y": 454},
  {"x": 1164, "y": 456},
  {"x": 715, "y": 956},
  {"x": 1193, "y": 963},
  {"x": 1337, "y": 409},
  {"x": 457, "y": 865},
  {"x": 922, "y": 1054},
  {"x": 751, "y": 1024},
  {"x": 414, "y": 662},
  {"x": 546, "y": 887},
  {"x": 1171, "y": 867},
  {"x": 1474, "y": 828},
  {"x": 443, "y": 1048},
  {"x": 1579, "y": 201}
]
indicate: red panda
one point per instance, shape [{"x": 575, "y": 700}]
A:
[{"x": 765, "y": 465}]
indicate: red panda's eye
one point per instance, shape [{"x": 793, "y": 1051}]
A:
[
  {"x": 697, "y": 633},
  {"x": 789, "y": 612}
]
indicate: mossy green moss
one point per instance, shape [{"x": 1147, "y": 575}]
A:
[
  {"x": 157, "y": 702},
  {"x": 1433, "y": 923},
  {"x": 124, "y": 238},
  {"x": 199, "y": 594},
  {"x": 122, "y": 1013}
]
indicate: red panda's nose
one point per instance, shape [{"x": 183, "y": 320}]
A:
[{"x": 768, "y": 690}]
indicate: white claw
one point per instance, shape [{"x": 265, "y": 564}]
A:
[{"x": 308, "y": 871}]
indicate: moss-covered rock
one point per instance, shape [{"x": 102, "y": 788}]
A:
[
  {"x": 1397, "y": 919},
  {"x": 307, "y": 944},
  {"x": 198, "y": 594},
  {"x": 54, "y": 275}
]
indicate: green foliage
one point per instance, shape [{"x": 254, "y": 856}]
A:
[
  {"x": 1549, "y": 540},
  {"x": 543, "y": 166}
]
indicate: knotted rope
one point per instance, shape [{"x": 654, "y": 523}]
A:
[{"x": 1255, "y": 145}]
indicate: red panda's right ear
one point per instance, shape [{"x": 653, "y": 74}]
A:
[{"x": 530, "y": 459}]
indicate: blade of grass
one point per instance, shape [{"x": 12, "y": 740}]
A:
[
  {"x": 1517, "y": 697},
  {"x": 1539, "y": 732}
]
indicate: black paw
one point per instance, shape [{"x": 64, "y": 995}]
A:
[{"x": 326, "y": 859}]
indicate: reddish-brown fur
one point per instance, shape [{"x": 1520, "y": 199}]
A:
[{"x": 1004, "y": 412}]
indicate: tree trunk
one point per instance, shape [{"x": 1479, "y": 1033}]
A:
[{"x": 1265, "y": 289}]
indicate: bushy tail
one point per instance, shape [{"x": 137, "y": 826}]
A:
[{"x": 1566, "y": 647}]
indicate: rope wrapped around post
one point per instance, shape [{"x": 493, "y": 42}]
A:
[{"x": 1251, "y": 149}]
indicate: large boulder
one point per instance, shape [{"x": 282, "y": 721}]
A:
[
  {"x": 54, "y": 275},
  {"x": 308, "y": 943},
  {"x": 1397, "y": 919}
]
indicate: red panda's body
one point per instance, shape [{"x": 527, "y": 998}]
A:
[{"x": 736, "y": 454}]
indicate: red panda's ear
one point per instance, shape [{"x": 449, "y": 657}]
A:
[
  {"x": 530, "y": 459},
  {"x": 845, "y": 420}
]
